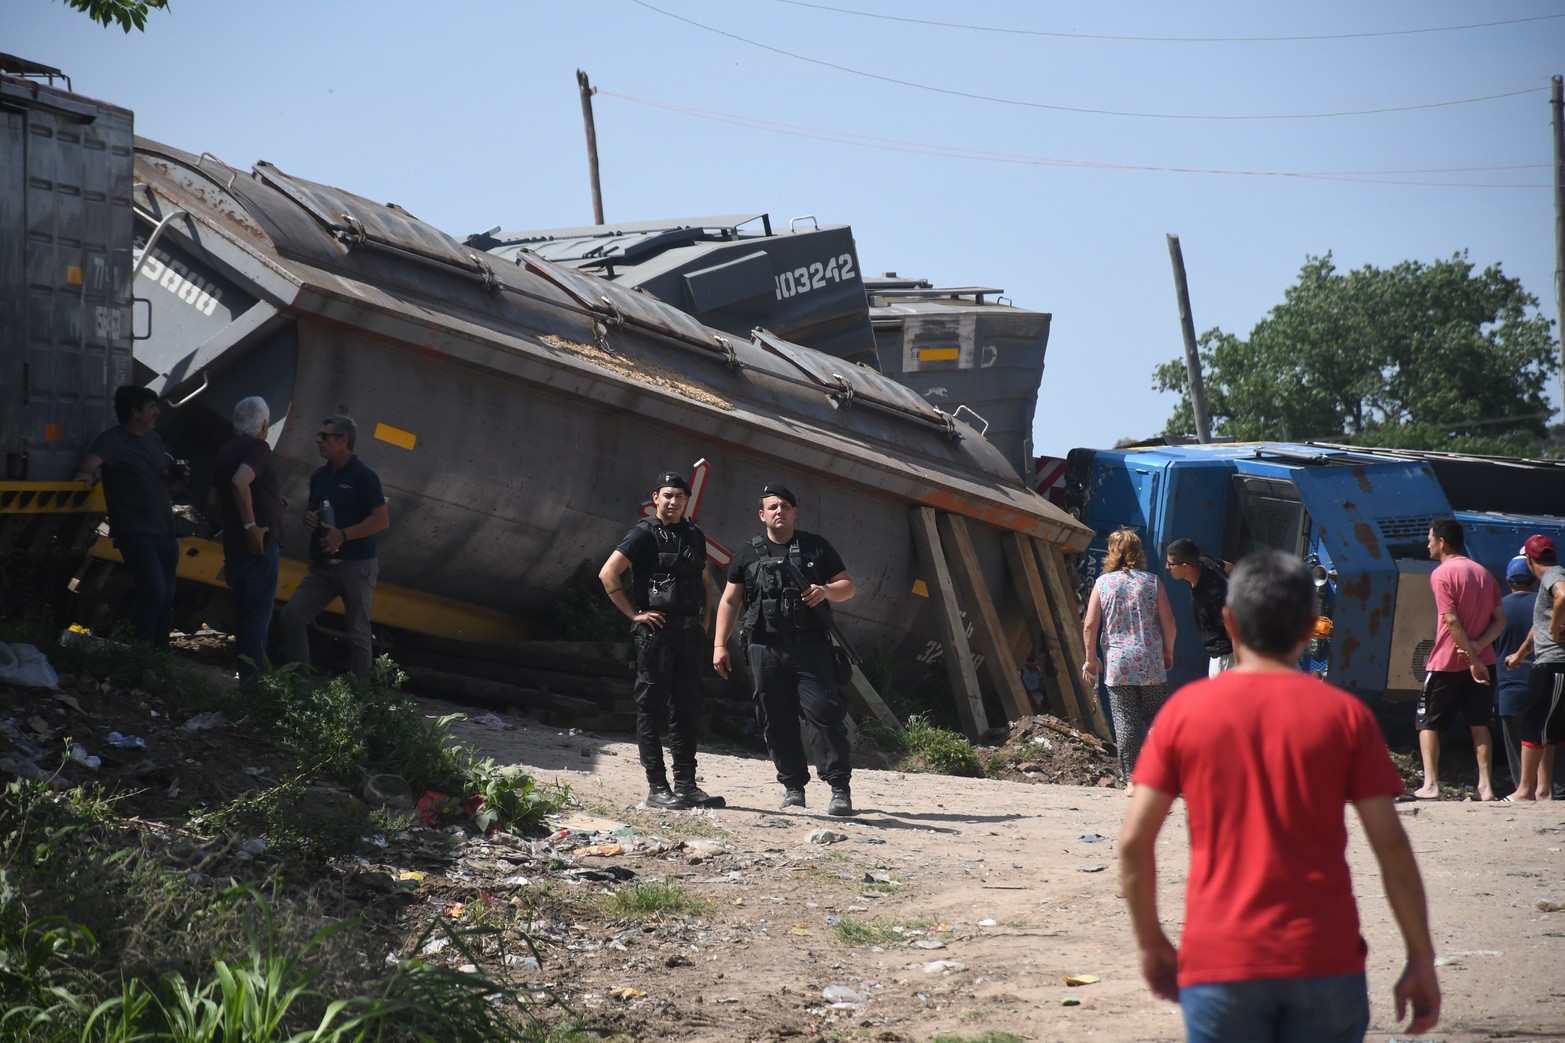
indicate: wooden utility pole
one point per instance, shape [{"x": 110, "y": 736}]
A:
[
  {"x": 587, "y": 92},
  {"x": 1203, "y": 425},
  {"x": 1558, "y": 105}
]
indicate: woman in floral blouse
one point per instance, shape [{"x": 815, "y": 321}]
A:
[{"x": 1128, "y": 605}]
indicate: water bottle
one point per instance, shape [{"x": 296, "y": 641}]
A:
[{"x": 326, "y": 518}]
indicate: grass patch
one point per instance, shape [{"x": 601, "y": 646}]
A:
[
  {"x": 877, "y": 931},
  {"x": 652, "y": 899},
  {"x": 925, "y": 747},
  {"x": 992, "y": 1036}
]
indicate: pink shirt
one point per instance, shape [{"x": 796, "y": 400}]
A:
[{"x": 1464, "y": 587}]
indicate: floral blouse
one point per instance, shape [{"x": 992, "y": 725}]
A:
[{"x": 1132, "y": 635}]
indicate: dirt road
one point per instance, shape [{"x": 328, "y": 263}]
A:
[{"x": 1015, "y": 885}]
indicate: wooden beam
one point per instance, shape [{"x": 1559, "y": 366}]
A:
[
  {"x": 1067, "y": 617},
  {"x": 1040, "y": 619},
  {"x": 958, "y": 657},
  {"x": 999, "y": 665},
  {"x": 863, "y": 699}
]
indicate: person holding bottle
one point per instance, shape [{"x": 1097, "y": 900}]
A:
[{"x": 346, "y": 510}]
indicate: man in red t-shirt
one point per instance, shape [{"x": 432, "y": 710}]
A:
[
  {"x": 1471, "y": 614},
  {"x": 1266, "y": 759}
]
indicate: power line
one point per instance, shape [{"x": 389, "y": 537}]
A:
[
  {"x": 1167, "y": 39},
  {"x": 1068, "y": 108},
  {"x": 1381, "y": 177}
]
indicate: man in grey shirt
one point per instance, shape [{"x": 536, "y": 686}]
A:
[{"x": 1542, "y": 717}]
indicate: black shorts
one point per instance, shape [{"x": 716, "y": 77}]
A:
[
  {"x": 1447, "y": 692},
  {"x": 1543, "y": 718}
]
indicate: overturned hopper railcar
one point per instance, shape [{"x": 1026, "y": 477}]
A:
[{"x": 516, "y": 413}]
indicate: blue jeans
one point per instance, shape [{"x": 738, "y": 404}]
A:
[
  {"x": 152, "y": 558},
  {"x": 253, "y": 579},
  {"x": 1278, "y": 1010}
]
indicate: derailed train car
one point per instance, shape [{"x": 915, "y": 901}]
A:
[{"x": 515, "y": 413}]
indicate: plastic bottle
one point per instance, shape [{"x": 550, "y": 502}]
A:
[{"x": 326, "y": 518}]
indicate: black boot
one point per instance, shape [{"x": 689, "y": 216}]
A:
[{"x": 660, "y": 796}]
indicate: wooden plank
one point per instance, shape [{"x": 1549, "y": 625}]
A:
[
  {"x": 863, "y": 699},
  {"x": 958, "y": 657},
  {"x": 1068, "y": 622},
  {"x": 998, "y": 662},
  {"x": 1040, "y": 620}
]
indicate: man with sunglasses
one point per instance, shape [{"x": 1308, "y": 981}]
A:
[
  {"x": 1208, "y": 579},
  {"x": 342, "y": 554}
]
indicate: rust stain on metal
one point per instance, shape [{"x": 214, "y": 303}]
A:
[
  {"x": 1365, "y": 534},
  {"x": 1363, "y": 478},
  {"x": 1347, "y": 646},
  {"x": 1358, "y": 589}
]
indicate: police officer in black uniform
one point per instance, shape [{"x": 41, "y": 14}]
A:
[
  {"x": 784, "y": 632},
  {"x": 666, "y": 601}
]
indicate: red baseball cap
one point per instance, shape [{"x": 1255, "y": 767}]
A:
[{"x": 1539, "y": 548}]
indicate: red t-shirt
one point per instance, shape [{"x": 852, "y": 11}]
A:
[
  {"x": 1463, "y": 586},
  {"x": 1266, "y": 764}
]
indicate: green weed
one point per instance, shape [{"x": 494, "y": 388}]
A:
[
  {"x": 992, "y": 1036},
  {"x": 877, "y": 931},
  {"x": 652, "y": 899}
]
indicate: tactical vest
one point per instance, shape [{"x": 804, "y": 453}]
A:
[
  {"x": 773, "y": 602},
  {"x": 675, "y": 583}
]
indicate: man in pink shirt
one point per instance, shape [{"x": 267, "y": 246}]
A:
[{"x": 1471, "y": 615}]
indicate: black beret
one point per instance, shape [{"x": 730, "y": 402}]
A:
[{"x": 780, "y": 491}]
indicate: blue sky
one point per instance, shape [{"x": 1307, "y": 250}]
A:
[{"x": 977, "y": 168}]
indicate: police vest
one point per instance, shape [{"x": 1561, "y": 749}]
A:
[
  {"x": 773, "y": 602},
  {"x": 675, "y": 581}
]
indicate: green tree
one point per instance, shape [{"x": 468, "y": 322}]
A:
[
  {"x": 129, "y": 14},
  {"x": 1415, "y": 357}
]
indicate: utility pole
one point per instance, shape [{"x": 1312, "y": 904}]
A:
[
  {"x": 1558, "y": 104},
  {"x": 1203, "y": 425},
  {"x": 587, "y": 91}
]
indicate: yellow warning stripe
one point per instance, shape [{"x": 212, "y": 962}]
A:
[
  {"x": 939, "y": 354},
  {"x": 396, "y": 436},
  {"x": 201, "y": 561},
  {"x": 50, "y": 498}
]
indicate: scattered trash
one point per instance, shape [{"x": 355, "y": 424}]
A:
[
  {"x": 126, "y": 742},
  {"x": 202, "y": 722},
  {"x": 625, "y": 992},
  {"x": 26, "y": 666},
  {"x": 988, "y": 923},
  {"x": 881, "y": 878},
  {"x": 1070, "y": 1003},
  {"x": 489, "y": 720},
  {"x": 388, "y": 791},
  {"x": 841, "y": 996},
  {"x": 1080, "y": 979},
  {"x": 525, "y": 962},
  {"x": 943, "y": 966},
  {"x": 802, "y": 930},
  {"x": 602, "y": 850},
  {"x": 826, "y": 836},
  {"x": 80, "y": 755},
  {"x": 1092, "y": 838},
  {"x": 1092, "y": 867},
  {"x": 929, "y": 943}
]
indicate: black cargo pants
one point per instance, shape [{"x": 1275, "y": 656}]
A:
[
  {"x": 800, "y": 680},
  {"x": 669, "y": 662}
]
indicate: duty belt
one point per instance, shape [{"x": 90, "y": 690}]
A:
[{"x": 806, "y": 637}]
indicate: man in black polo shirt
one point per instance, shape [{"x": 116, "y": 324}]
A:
[
  {"x": 784, "y": 613},
  {"x": 667, "y": 605},
  {"x": 1208, "y": 579}
]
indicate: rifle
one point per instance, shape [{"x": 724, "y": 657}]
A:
[{"x": 822, "y": 612}]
